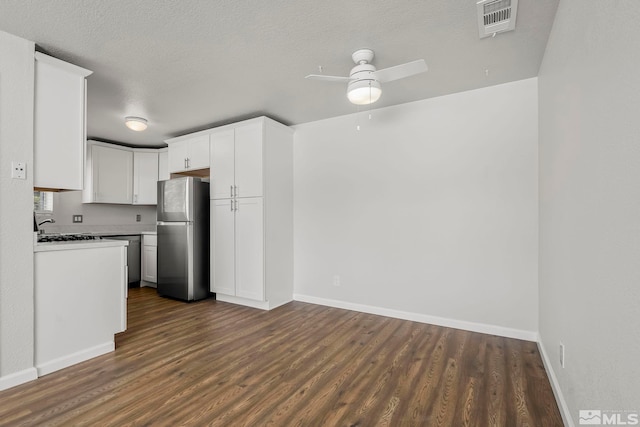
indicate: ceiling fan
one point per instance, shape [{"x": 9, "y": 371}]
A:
[{"x": 364, "y": 80}]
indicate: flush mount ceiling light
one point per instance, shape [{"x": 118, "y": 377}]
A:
[
  {"x": 364, "y": 80},
  {"x": 135, "y": 123}
]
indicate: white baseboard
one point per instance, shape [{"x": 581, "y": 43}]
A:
[
  {"x": 72, "y": 359},
  {"x": 262, "y": 305},
  {"x": 423, "y": 318},
  {"x": 555, "y": 385},
  {"x": 18, "y": 378}
]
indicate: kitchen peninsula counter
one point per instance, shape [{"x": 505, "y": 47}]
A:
[{"x": 80, "y": 290}]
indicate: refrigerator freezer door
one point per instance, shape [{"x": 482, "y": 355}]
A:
[
  {"x": 175, "y": 260},
  {"x": 175, "y": 199}
]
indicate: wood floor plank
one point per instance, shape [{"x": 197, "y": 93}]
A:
[
  {"x": 497, "y": 392},
  {"x": 210, "y": 363}
]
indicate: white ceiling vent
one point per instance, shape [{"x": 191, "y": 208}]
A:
[{"x": 496, "y": 16}]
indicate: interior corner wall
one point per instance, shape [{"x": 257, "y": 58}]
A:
[
  {"x": 430, "y": 208},
  {"x": 16, "y": 207},
  {"x": 589, "y": 96}
]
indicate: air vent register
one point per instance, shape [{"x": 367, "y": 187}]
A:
[{"x": 496, "y": 16}]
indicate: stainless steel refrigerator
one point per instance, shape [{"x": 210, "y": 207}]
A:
[{"x": 183, "y": 238}]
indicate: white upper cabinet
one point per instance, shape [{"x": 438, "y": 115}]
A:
[
  {"x": 236, "y": 161},
  {"x": 248, "y": 160},
  {"x": 198, "y": 151},
  {"x": 122, "y": 175},
  {"x": 188, "y": 154},
  {"x": 108, "y": 174},
  {"x": 163, "y": 165},
  {"x": 145, "y": 177},
  {"x": 59, "y": 124},
  {"x": 222, "y": 164},
  {"x": 177, "y": 156}
]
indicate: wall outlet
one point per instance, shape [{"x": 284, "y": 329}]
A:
[
  {"x": 77, "y": 219},
  {"x": 138, "y": 218},
  {"x": 561, "y": 355},
  {"x": 336, "y": 280},
  {"x": 18, "y": 170}
]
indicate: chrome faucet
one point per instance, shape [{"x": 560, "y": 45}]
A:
[{"x": 51, "y": 220}]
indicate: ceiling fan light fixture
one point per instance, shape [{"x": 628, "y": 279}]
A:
[
  {"x": 364, "y": 92},
  {"x": 137, "y": 124}
]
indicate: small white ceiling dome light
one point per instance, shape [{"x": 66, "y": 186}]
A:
[
  {"x": 364, "y": 92},
  {"x": 135, "y": 123}
]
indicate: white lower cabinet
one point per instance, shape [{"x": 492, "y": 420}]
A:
[
  {"x": 149, "y": 260},
  {"x": 249, "y": 248},
  {"x": 223, "y": 276},
  {"x": 237, "y": 248}
]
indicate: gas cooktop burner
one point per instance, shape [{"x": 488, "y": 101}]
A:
[{"x": 67, "y": 237}]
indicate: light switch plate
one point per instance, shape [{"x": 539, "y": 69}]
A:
[{"x": 77, "y": 218}]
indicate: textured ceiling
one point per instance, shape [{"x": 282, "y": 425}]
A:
[{"x": 192, "y": 64}]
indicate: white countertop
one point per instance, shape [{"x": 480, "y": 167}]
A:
[
  {"x": 102, "y": 230},
  {"x": 77, "y": 244}
]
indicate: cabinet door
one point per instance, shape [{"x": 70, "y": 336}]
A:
[
  {"x": 250, "y": 249},
  {"x": 163, "y": 165},
  {"x": 145, "y": 180},
  {"x": 59, "y": 124},
  {"x": 178, "y": 156},
  {"x": 112, "y": 175},
  {"x": 198, "y": 152},
  {"x": 222, "y": 165},
  {"x": 222, "y": 247},
  {"x": 248, "y": 160},
  {"x": 149, "y": 263}
]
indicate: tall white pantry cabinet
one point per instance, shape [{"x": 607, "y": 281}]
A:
[{"x": 251, "y": 193}]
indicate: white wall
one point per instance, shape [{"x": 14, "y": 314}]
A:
[
  {"x": 431, "y": 208},
  {"x": 590, "y": 203},
  {"x": 96, "y": 216},
  {"x": 16, "y": 207}
]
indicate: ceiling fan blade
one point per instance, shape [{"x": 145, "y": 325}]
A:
[
  {"x": 401, "y": 71},
  {"x": 328, "y": 78}
]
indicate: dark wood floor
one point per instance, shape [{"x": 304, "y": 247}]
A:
[{"x": 214, "y": 363}]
